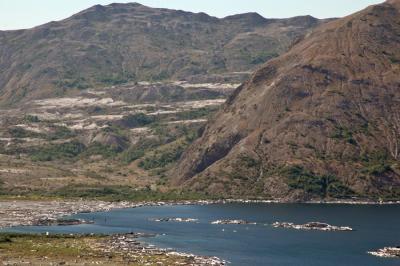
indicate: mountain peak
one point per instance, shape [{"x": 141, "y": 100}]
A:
[
  {"x": 251, "y": 17},
  {"x": 133, "y": 4},
  {"x": 153, "y": 43}
]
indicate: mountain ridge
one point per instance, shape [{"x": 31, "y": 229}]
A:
[
  {"x": 320, "y": 121},
  {"x": 106, "y": 45}
]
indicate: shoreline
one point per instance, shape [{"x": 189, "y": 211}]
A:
[
  {"x": 27, "y": 213},
  {"x": 89, "y": 249},
  {"x": 31, "y": 212},
  {"x": 131, "y": 245}
]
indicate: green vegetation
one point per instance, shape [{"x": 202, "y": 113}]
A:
[
  {"x": 161, "y": 151},
  {"x": 31, "y": 119},
  {"x": 100, "y": 149},
  {"x": 121, "y": 193},
  {"x": 249, "y": 162},
  {"x": 394, "y": 60},
  {"x": 4, "y": 238},
  {"x": 137, "y": 120},
  {"x": 114, "y": 79},
  {"x": 162, "y": 158},
  {"x": 377, "y": 169},
  {"x": 19, "y": 132},
  {"x": 94, "y": 175},
  {"x": 113, "y": 193},
  {"x": 117, "y": 130},
  {"x": 131, "y": 155},
  {"x": 163, "y": 75},
  {"x": 78, "y": 83},
  {"x": 29, "y": 245},
  {"x": 60, "y": 132},
  {"x": 320, "y": 185},
  {"x": 345, "y": 134},
  {"x": 57, "y": 132},
  {"x": 196, "y": 113},
  {"x": 376, "y": 163},
  {"x": 52, "y": 152},
  {"x": 63, "y": 249},
  {"x": 262, "y": 57}
]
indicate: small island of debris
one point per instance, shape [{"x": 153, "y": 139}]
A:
[
  {"x": 177, "y": 219},
  {"x": 232, "y": 222},
  {"x": 46, "y": 221},
  {"x": 386, "y": 252},
  {"x": 312, "y": 226}
]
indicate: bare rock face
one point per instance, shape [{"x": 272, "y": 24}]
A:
[
  {"x": 114, "y": 44},
  {"x": 110, "y": 140},
  {"x": 321, "y": 121}
]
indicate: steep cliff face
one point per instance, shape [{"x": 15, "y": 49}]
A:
[
  {"x": 108, "y": 45},
  {"x": 320, "y": 121}
]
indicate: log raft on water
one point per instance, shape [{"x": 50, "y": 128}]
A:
[
  {"x": 386, "y": 252},
  {"x": 312, "y": 226}
]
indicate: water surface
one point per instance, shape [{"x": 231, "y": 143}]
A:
[{"x": 376, "y": 227}]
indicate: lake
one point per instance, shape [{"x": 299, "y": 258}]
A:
[{"x": 375, "y": 226}]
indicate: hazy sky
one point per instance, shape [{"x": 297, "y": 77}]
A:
[{"x": 18, "y": 14}]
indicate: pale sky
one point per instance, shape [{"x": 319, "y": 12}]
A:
[{"x": 20, "y": 14}]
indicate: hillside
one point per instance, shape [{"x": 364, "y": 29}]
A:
[
  {"x": 114, "y": 44},
  {"x": 321, "y": 121}
]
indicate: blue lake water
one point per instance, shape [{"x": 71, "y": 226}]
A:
[{"x": 375, "y": 227}]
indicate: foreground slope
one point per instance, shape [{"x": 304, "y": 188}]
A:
[
  {"x": 108, "y": 45},
  {"x": 320, "y": 121}
]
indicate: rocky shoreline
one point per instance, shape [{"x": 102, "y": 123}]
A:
[
  {"x": 128, "y": 245},
  {"x": 51, "y": 213},
  {"x": 25, "y": 213}
]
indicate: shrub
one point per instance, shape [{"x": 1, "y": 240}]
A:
[
  {"x": 5, "y": 239},
  {"x": 394, "y": 60},
  {"x": 249, "y": 162},
  {"x": 321, "y": 185},
  {"x": 79, "y": 83},
  {"x": 114, "y": 79},
  {"x": 162, "y": 159},
  {"x": 137, "y": 120},
  {"x": 58, "y": 151},
  {"x": 31, "y": 119},
  {"x": 161, "y": 76},
  {"x": 132, "y": 155},
  {"x": 100, "y": 149},
  {"x": 94, "y": 175},
  {"x": 118, "y": 193},
  {"x": 263, "y": 57},
  {"x": 377, "y": 169},
  {"x": 343, "y": 133},
  {"x": 18, "y": 132},
  {"x": 196, "y": 113},
  {"x": 60, "y": 132},
  {"x": 376, "y": 163}
]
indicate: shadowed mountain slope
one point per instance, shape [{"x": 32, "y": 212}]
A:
[{"x": 321, "y": 121}]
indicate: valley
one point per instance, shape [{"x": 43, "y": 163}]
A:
[{"x": 124, "y": 137}]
